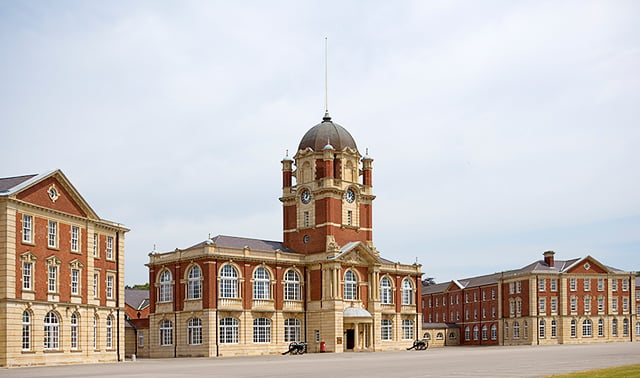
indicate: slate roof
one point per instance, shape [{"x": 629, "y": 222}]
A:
[
  {"x": 257, "y": 244},
  {"x": 9, "y": 183},
  {"x": 137, "y": 299},
  {"x": 487, "y": 279},
  {"x": 437, "y": 288},
  {"x": 239, "y": 242}
]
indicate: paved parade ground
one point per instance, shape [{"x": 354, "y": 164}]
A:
[{"x": 522, "y": 361}]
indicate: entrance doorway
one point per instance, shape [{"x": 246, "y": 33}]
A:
[{"x": 351, "y": 339}]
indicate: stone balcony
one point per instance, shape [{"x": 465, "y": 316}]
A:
[
  {"x": 263, "y": 305},
  {"x": 230, "y": 303},
  {"x": 293, "y": 306}
]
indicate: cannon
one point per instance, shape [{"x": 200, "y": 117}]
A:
[
  {"x": 419, "y": 345},
  {"x": 296, "y": 348}
]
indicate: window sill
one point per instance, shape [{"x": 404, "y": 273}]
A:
[
  {"x": 29, "y": 243},
  {"x": 76, "y": 252},
  {"x": 53, "y": 248},
  {"x": 76, "y": 350},
  {"x": 28, "y": 352},
  {"x": 52, "y": 351}
]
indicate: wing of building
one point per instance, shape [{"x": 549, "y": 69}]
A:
[
  {"x": 549, "y": 301},
  {"x": 325, "y": 284},
  {"x": 61, "y": 275}
]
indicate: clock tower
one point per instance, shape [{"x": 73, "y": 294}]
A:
[{"x": 330, "y": 202}]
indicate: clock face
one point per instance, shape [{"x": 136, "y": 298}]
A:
[
  {"x": 350, "y": 196},
  {"x": 305, "y": 197}
]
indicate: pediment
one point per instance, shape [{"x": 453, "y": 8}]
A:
[
  {"x": 53, "y": 190},
  {"x": 357, "y": 253},
  {"x": 588, "y": 265},
  {"x": 28, "y": 256},
  {"x": 454, "y": 286}
]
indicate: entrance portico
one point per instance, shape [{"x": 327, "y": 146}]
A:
[{"x": 357, "y": 329}]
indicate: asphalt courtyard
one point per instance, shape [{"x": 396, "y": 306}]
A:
[{"x": 524, "y": 361}]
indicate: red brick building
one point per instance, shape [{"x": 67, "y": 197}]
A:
[
  {"x": 325, "y": 284},
  {"x": 546, "y": 302},
  {"x": 61, "y": 275}
]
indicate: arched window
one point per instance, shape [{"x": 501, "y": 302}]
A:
[
  {"x": 261, "y": 283},
  {"x": 228, "y": 282},
  {"x": 587, "y": 328},
  {"x": 614, "y": 327},
  {"x": 51, "y": 331},
  {"x": 439, "y": 336},
  {"x": 407, "y": 292},
  {"x": 165, "y": 286},
  {"x": 426, "y": 336},
  {"x": 109, "y": 332},
  {"x": 554, "y": 328},
  {"x": 386, "y": 329},
  {"x": 26, "y": 330},
  {"x": 194, "y": 331},
  {"x": 194, "y": 284},
  {"x": 516, "y": 330},
  {"x": 292, "y": 286},
  {"x": 229, "y": 331},
  {"x": 637, "y": 328},
  {"x": 494, "y": 332},
  {"x": 484, "y": 332},
  {"x": 506, "y": 330},
  {"x": 407, "y": 329},
  {"x": 385, "y": 291},
  {"x": 350, "y": 286},
  {"x": 166, "y": 332},
  {"x": 475, "y": 333},
  {"x": 292, "y": 330},
  {"x": 74, "y": 331},
  {"x": 95, "y": 332},
  {"x": 261, "y": 330},
  {"x": 625, "y": 326},
  {"x": 541, "y": 329},
  {"x": 467, "y": 333},
  {"x": 600, "y": 328},
  {"x": 573, "y": 328},
  {"x": 526, "y": 329}
]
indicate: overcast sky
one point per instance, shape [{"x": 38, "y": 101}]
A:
[{"x": 499, "y": 129}]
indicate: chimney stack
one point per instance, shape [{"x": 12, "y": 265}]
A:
[{"x": 548, "y": 258}]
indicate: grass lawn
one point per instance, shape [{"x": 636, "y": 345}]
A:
[{"x": 620, "y": 371}]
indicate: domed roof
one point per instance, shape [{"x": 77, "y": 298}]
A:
[{"x": 327, "y": 133}]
